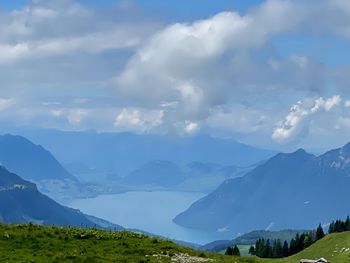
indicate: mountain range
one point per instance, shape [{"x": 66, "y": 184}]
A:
[
  {"x": 194, "y": 176},
  {"x": 122, "y": 153},
  {"x": 291, "y": 190},
  {"x": 21, "y": 202},
  {"x": 34, "y": 163}
]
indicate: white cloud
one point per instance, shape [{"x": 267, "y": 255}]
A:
[
  {"x": 138, "y": 120},
  {"x": 218, "y": 74},
  {"x": 191, "y": 127},
  {"x": 177, "y": 61},
  {"x": 51, "y": 28},
  {"x": 212, "y": 62},
  {"x": 76, "y": 116},
  {"x": 296, "y": 124}
]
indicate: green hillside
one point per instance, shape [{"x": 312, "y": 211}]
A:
[
  {"x": 333, "y": 247},
  {"x": 29, "y": 243}
]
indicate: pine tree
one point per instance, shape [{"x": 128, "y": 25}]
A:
[
  {"x": 331, "y": 228},
  {"x": 236, "y": 251},
  {"x": 229, "y": 251},
  {"x": 347, "y": 224},
  {"x": 319, "y": 232},
  {"x": 268, "y": 250},
  {"x": 277, "y": 250},
  {"x": 285, "y": 249},
  {"x": 293, "y": 247},
  {"x": 307, "y": 241},
  {"x": 252, "y": 251}
]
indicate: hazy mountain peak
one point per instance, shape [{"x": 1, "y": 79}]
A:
[{"x": 279, "y": 191}]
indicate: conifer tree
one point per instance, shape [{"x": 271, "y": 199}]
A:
[
  {"x": 229, "y": 251},
  {"x": 277, "y": 251},
  {"x": 236, "y": 251},
  {"x": 252, "y": 251},
  {"x": 319, "y": 232},
  {"x": 347, "y": 224},
  {"x": 285, "y": 249}
]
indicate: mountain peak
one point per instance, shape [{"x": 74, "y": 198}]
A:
[
  {"x": 300, "y": 151},
  {"x": 346, "y": 148}
]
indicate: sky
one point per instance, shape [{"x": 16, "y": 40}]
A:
[{"x": 272, "y": 73}]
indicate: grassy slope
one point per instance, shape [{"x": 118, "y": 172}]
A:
[
  {"x": 23, "y": 243},
  {"x": 335, "y": 248}
]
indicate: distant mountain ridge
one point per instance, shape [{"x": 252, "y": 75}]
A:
[
  {"x": 122, "y": 153},
  {"x": 195, "y": 176},
  {"x": 21, "y": 202},
  {"x": 34, "y": 163},
  {"x": 295, "y": 190},
  {"x": 31, "y": 161}
]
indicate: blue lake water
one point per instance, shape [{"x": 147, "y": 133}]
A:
[{"x": 148, "y": 211}]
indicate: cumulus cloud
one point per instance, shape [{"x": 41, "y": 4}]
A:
[
  {"x": 214, "y": 61},
  {"x": 296, "y": 124},
  {"x": 68, "y": 65},
  {"x": 138, "y": 120},
  {"x": 191, "y": 127},
  {"x": 51, "y": 28},
  {"x": 181, "y": 61}
]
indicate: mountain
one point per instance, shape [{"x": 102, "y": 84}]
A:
[
  {"x": 122, "y": 153},
  {"x": 194, "y": 176},
  {"x": 31, "y": 161},
  {"x": 36, "y": 164},
  {"x": 296, "y": 190},
  {"x": 21, "y": 202},
  {"x": 161, "y": 173}
]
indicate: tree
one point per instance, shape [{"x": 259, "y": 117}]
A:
[
  {"x": 319, "y": 232},
  {"x": 277, "y": 250},
  {"x": 285, "y": 249},
  {"x": 252, "y": 251},
  {"x": 331, "y": 228},
  {"x": 229, "y": 251},
  {"x": 236, "y": 251},
  {"x": 292, "y": 247},
  {"x": 347, "y": 224},
  {"x": 268, "y": 250},
  {"x": 233, "y": 251},
  {"x": 307, "y": 241}
]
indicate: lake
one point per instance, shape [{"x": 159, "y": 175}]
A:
[{"x": 152, "y": 212}]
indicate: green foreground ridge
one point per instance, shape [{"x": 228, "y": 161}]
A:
[{"x": 31, "y": 243}]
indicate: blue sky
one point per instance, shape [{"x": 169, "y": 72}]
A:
[{"x": 270, "y": 73}]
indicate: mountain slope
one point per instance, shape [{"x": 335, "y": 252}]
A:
[
  {"x": 296, "y": 190},
  {"x": 334, "y": 248},
  {"x": 161, "y": 173},
  {"x": 36, "y": 164},
  {"x": 31, "y": 161},
  {"x": 21, "y": 202},
  {"x": 52, "y": 244}
]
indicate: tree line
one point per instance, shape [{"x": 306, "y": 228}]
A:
[
  {"x": 266, "y": 248},
  {"x": 275, "y": 249},
  {"x": 339, "y": 226}
]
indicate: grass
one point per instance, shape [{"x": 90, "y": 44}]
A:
[
  {"x": 30, "y": 243},
  {"x": 334, "y": 247}
]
